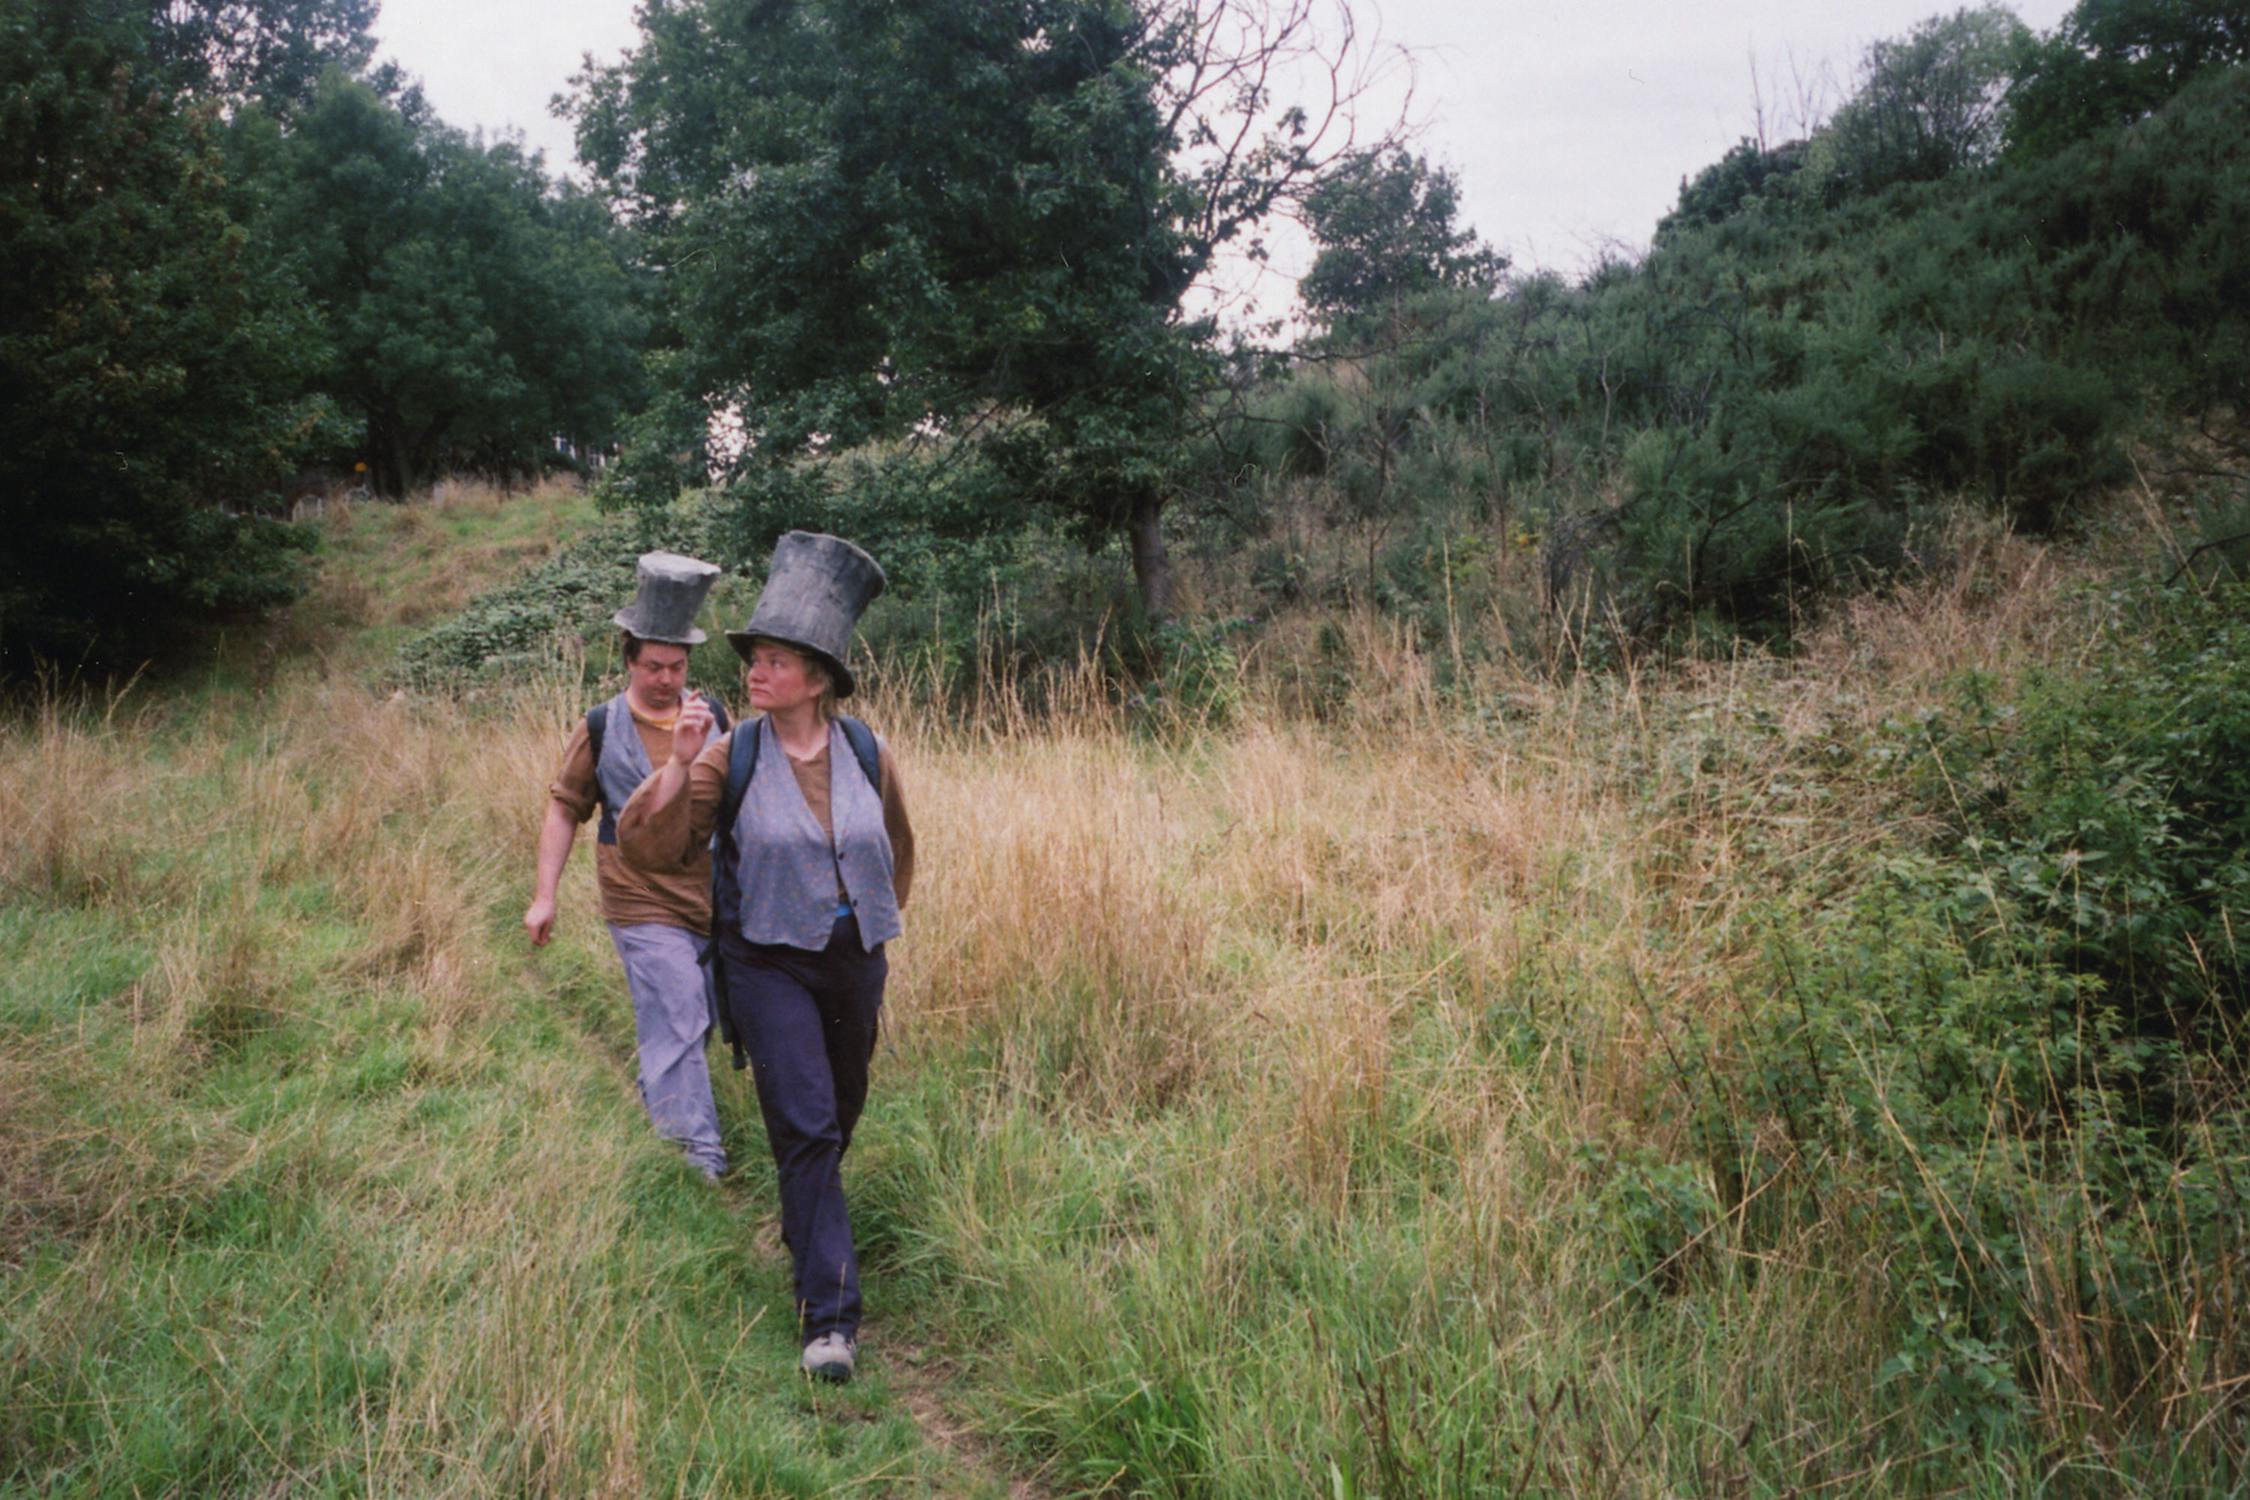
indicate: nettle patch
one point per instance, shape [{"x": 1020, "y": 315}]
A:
[{"x": 2012, "y": 1054}]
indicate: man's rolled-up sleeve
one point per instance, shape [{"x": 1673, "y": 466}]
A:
[{"x": 574, "y": 785}]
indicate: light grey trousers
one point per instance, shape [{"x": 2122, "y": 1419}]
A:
[{"x": 671, "y": 1015}]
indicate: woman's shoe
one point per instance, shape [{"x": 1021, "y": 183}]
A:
[{"x": 830, "y": 1357}]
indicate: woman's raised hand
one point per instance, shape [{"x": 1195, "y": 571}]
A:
[{"x": 693, "y": 728}]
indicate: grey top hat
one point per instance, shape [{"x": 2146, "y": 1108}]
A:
[
  {"x": 672, "y": 589},
  {"x": 817, "y": 586}
]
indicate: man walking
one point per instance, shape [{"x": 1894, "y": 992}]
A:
[{"x": 658, "y": 922}]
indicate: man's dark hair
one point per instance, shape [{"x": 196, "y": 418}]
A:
[{"x": 630, "y": 645}]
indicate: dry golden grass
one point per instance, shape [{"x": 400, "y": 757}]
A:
[
  {"x": 1312, "y": 921},
  {"x": 1278, "y": 902}
]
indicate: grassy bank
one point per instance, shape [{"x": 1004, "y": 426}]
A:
[
  {"x": 1554, "y": 1086},
  {"x": 315, "y": 1182}
]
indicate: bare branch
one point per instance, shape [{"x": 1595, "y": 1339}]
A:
[{"x": 1245, "y": 150}]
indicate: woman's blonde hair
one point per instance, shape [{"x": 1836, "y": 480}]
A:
[{"x": 824, "y": 703}]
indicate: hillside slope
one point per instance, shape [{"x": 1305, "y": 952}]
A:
[{"x": 1664, "y": 1081}]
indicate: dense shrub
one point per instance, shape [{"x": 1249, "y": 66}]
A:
[
  {"x": 2111, "y": 807},
  {"x": 1782, "y": 394},
  {"x": 2012, "y": 1055},
  {"x": 967, "y": 595},
  {"x": 1977, "y": 1112}
]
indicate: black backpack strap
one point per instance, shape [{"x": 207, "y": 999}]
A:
[
  {"x": 863, "y": 750},
  {"x": 597, "y": 725},
  {"x": 742, "y": 760}
]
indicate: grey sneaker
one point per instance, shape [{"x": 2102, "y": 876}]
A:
[{"x": 830, "y": 1357}]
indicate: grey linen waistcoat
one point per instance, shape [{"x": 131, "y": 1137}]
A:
[
  {"x": 786, "y": 869},
  {"x": 623, "y": 766}
]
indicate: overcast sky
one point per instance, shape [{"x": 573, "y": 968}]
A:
[{"x": 1569, "y": 125}]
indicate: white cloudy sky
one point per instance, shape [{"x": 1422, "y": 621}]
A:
[{"x": 1569, "y": 125}]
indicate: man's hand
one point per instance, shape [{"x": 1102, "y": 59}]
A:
[
  {"x": 693, "y": 728},
  {"x": 539, "y": 921}
]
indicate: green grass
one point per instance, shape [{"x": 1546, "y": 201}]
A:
[
  {"x": 314, "y": 1224},
  {"x": 1405, "y": 1106},
  {"x": 312, "y": 1191},
  {"x": 392, "y": 570}
]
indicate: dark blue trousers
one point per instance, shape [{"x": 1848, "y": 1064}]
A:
[{"x": 808, "y": 1022}]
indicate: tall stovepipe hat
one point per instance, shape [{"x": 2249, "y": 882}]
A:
[
  {"x": 670, "y": 595},
  {"x": 817, "y": 587}
]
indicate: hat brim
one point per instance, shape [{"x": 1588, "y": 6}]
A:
[
  {"x": 839, "y": 675},
  {"x": 694, "y": 637}
]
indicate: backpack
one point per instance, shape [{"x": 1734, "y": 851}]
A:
[{"x": 742, "y": 761}]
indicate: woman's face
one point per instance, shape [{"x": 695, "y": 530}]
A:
[{"x": 780, "y": 679}]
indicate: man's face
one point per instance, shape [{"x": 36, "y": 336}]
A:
[{"x": 657, "y": 675}]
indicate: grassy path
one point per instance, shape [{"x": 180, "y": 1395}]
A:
[{"x": 314, "y": 1181}]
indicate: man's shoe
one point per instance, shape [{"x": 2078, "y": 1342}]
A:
[{"x": 830, "y": 1357}]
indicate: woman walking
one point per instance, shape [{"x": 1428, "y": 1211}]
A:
[{"x": 813, "y": 860}]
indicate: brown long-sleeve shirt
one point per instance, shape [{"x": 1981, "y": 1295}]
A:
[
  {"x": 660, "y": 835},
  {"x": 679, "y": 896}
]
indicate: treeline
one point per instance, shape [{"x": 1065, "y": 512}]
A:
[
  {"x": 937, "y": 283},
  {"x": 933, "y": 276},
  {"x": 242, "y": 262}
]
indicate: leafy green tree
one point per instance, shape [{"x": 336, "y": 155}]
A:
[
  {"x": 971, "y": 223},
  {"x": 153, "y": 361},
  {"x": 1929, "y": 103},
  {"x": 269, "y": 51},
  {"x": 2112, "y": 62},
  {"x": 472, "y": 311},
  {"x": 1386, "y": 223}
]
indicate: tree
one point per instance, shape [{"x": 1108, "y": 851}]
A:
[
  {"x": 471, "y": 312},
  {"x": 1385, "y": 223},
  {"x": 1929, "y": 103},
  {"x": 152, "y": 359},
  {"x": 972, "y": 223},
  {"x": 269, "y": 51},
  {"x": 2112, "y": 62}
]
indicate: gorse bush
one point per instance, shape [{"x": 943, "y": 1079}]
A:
[{"x": 1779, "y": 399}]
